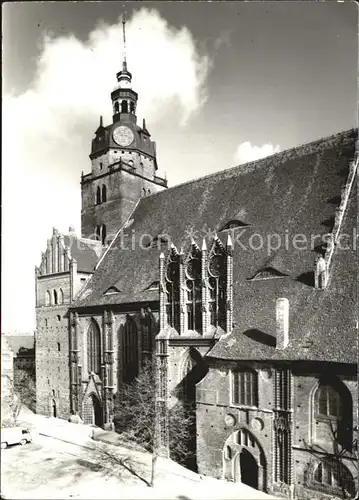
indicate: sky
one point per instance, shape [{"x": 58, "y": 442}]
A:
[{"x": 219, "y": 83}]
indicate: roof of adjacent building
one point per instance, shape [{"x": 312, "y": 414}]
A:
[{"x": 295, "y": 192}]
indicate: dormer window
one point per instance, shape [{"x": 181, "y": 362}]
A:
[
  {"x": 155, "y": 286},
  {"x": 267, "y": 273},
  {"x": 234, "y": 224},
  {"x": 112, "y": 290}
]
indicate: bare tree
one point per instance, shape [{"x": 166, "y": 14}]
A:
[
  {"x": 24, "y": 393},
  {"x": 135, "y": 418}
]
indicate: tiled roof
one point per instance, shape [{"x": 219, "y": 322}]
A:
[{"x": 293, "y": 192}]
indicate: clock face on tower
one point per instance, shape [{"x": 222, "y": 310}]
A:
[{"x": 123, "y": 135}]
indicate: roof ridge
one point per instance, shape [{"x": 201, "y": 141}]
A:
[{"x": 260, "y": 162}]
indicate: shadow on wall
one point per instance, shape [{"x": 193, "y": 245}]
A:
[{"x": 261, "y": 337}]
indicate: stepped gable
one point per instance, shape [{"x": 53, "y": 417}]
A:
[{"x": 293, "y": 192}]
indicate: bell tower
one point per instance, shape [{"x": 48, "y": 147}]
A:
[{"x": 123, "y": 164}]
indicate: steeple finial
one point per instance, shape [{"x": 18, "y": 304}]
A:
[{"x": 124, "y": 40}]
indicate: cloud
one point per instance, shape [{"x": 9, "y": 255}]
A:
[
  {"x": 47, "y": 131},
  {"x": 246, "y": 152}
]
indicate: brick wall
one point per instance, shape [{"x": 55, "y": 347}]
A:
[
  {"x": 218, "y": 418},
  {"x": 52, "y": 362}
]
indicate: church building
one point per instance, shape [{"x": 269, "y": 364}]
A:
[{"x": 244, "y": 284}]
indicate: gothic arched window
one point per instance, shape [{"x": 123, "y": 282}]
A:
[
  {"x": 104, "y": 193},
  {"x": 217, "y": 285},
  {"x": 124, "y": 107},
  {"x": 173, "y": 290},
  {"x": 328, "y": 402},
  {"x": 194, "y": 291},
  {"x": 333, "y": 475},
  {"x": 245, "y": 388},
  {"x": 117, "y": 107},
  {"x": 98, "y": 233},
  {"x": 94, "y": 348},
  {"x": 61, "y": 296},
  {"x": 129, "y": 345},
  {"x": 98, "y": 195},
  {"x": 55, "y": 298},
  {"x": 48, "y": 298}
]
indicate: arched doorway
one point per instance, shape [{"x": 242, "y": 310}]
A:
[
  {"x": 92, "y": 411},
  {"x": 248, "y": 468},
  {"x": 244, "y": 460}
]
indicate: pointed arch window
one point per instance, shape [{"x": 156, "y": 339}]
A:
[
  {"x": 217, "y": 285},
  {"x": 61, "y": 296},
  {"x": 55, "y": 298},
  {"x": 103, "y": 234},
  {"x": 193, "y": 272},
  {"x": 132, "y": 107},
  {"x": 104, "y": 194},
  {"x": 48, "y": 298},
  {"x": 94, "y": 348},
  {"x": 116, "y": 107},
  {"x": 172, "y": 304},
  {"x": 333, "y": 475},
  {"x": 98, "y": 195}
]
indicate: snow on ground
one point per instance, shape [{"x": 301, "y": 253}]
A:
[{"x": 68, "y": 464}]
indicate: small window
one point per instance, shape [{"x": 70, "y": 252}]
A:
[
  {"x": 58, "y": 318},
  {"x": 46, "y": 322},
  {"x": 117, "y": 107},
  {"x": 58, "y": 347},
  {"x": 98, "y": 195},
  {"x": 55, "y": 298},
  {"x": 48, "y": 298},
  {"x": 104, "y": 193},
  {"x": 228, "y": 453},
  {"x": 100, "y": 165},
  {"x": 82, "y": 280}
]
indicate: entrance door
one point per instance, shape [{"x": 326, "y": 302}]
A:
[{"x": 249, "y": 468}]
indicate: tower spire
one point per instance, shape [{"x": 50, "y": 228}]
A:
[
  {"x": 124, "y": 41},
  {"x": 124, "y": 77}
]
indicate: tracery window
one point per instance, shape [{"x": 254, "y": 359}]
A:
[
  {"x": 245, "y": 388},
  {"x": 217, "y": 286},
  {"x": 333, "y": 474},
  {"x": 194, "y": 293},
  {"x": 94, "y": 348},
  {"x": 173, "y": 290}
]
